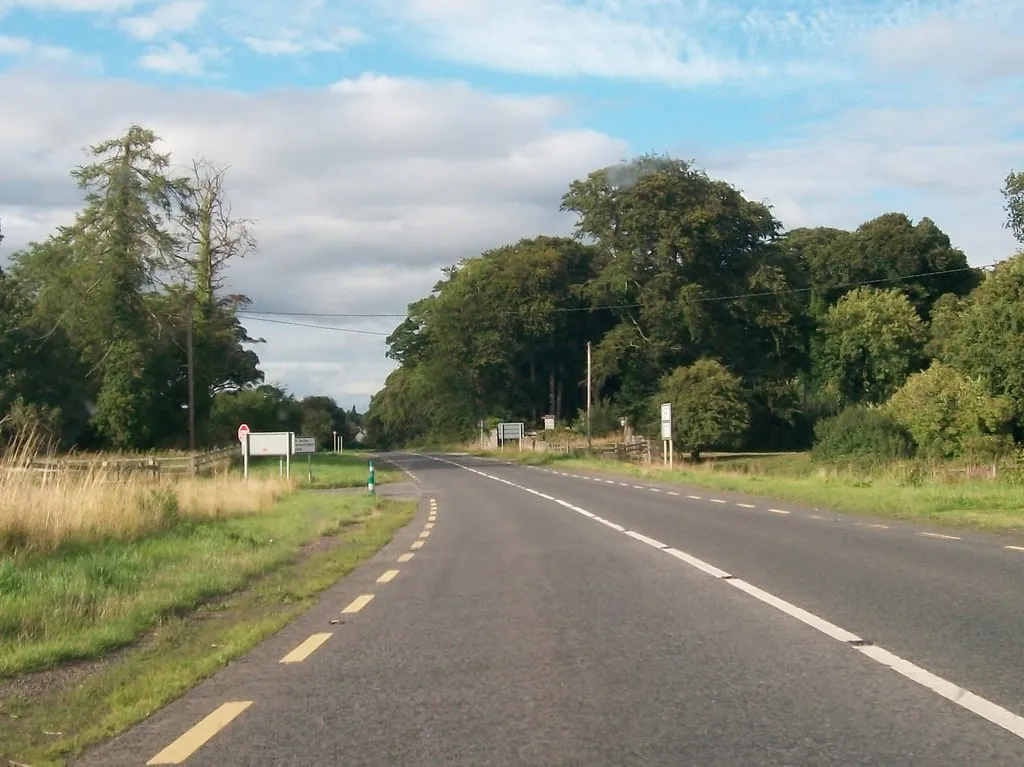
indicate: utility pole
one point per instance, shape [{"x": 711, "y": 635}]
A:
[
  {"x": 190, "y": 355},
  {"x": 588, "y": 398}
]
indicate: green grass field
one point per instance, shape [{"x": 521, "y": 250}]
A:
[
  {"x": 329, "y": 470},
  {"x": 901, "y": 491},
  {"x": 183, "y": 603}
]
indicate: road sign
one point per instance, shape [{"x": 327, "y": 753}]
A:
[
  {"x": 549, "y": 423},
  {"x": 666, "y": 421},
  {"x": 243, "y": 429},
  {"x": 270, "y": 443},
  {"x": 305, "y": 445},
  {"x": 511, "y": 430}
]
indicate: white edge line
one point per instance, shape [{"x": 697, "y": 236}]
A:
[
  {"x": 962, "y": 697},
  {"x": 778, "y": 511},
  {"x": 974, "y": 703},
  {"x": 699, "y": 564},
  {"x": 649, "y": 541},
  {"x": 799, "y": 613}
]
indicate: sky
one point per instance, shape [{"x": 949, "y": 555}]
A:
[{"x": 375, "y": 142}]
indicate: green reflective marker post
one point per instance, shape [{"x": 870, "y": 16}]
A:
[{"x": 370, "y": 480}]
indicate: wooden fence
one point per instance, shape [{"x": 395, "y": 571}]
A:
[{"x": 193, "y": 465}]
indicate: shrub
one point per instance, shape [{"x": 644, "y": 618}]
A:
[{"x": 861, "y": 434}]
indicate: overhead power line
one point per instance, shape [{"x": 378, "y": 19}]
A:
[
  {"x": 258, "y": 315},
  {"x": 249, "y": 316}
]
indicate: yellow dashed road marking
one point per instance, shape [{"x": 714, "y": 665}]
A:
[
  {"x": 358, "y": 603},
  {"x": 406, "y": 557},
  {"x": 305, "y": 649},
  {"x": 189, "y": 743},
  {"x": 388, "y": 576}
]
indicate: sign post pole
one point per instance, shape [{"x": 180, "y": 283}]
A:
[
  {"x": 666, "y": 434},
  {"x": 243, "y": 438}
]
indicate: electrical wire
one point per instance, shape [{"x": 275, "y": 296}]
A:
[{"x": 255, "y": 314}]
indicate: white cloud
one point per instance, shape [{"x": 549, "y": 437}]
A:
[
  {"x": 361, "y": 192},
  {"x": 292, "y": 42},
  {"x": 20, "y": 48},
  {"x": 683, "y": 42},
  {"x": 170, "y": 18},
  {"x": 176, "y": 58}
]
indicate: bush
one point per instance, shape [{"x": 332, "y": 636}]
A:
[
  {"x": 861, "y": 434},
  {"x": 951, "y": 415}
]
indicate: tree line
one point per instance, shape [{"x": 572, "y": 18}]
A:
[
  {"x": 98, "y": 322},
  {"x": 761, "y": 338}
]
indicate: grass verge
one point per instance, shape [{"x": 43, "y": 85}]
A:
[
  {"x": 328, "y": 470},
  {"x": 48, "y": 718},
  {"x": 988, "y": 505}
]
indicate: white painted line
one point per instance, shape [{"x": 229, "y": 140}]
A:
[
  {"x": 792, "y": 610},
  {"x": 547, "y": 497},
  {"x": 638, "y": 487},
  {"x": 940, "y": 535},
  {"x": 778, "y": 511},
  {"x": 610, "y": 481},
  {"x": 649, "y": 541},
  {"x": 673, "y": 492},
  {"x": 965, "y": 698},
  {"x": 699, "y": 564},
  {"x": 717, "y": 500},
  {"x": 815, "y": 516},
  {"x": 880, "y": 527},
  {"x": 962, "y": 697},
  {"x": 654, "y": 490},
  {"x": 693, "y": 497},
  {"x": 747, "y": 505},
  {"x": 623, "y": 484}
]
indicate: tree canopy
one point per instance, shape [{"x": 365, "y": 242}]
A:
[
  {"x": 688, "y": 290},
  {"x": 94, "y": 320}
]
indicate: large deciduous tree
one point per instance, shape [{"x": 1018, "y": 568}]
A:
[{"x": 871, "y": 341}]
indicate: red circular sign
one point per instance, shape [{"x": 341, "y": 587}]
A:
[{"x": 243, "y": 429}]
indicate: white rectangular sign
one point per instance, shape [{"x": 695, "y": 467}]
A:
[
  {"x": 666, "y": 421},
  {"x": 511, "y": 430},
  {"x": 304, "y": 445},
  {"x": 549, "y": 422},
  {"x": 270, "y": 443}
]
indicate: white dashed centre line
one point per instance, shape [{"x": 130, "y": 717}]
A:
[
  {"x": 747, "y": 505},
  {"x": 778, "y": 511},
  {"x": 958, "y": 695},
  {"x": 940, "y": 535},
  {"x": 693, "y": 497}
]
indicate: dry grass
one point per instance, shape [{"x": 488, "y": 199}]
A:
[{"x": 42, "y": 511}]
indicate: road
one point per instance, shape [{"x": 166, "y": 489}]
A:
[{"x": 547, "y": 619}]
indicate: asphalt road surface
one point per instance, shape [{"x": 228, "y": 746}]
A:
[{"x": 550, "y": 619}]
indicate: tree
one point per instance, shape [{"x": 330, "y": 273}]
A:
[
  {"x": 93, "y": 277},
  {"x": 871, "y": 341},
  {"x": 987, "y": 342},
  {"x": 950, "y": 415},
  {"x": 673, "y": 243},
  {"x": 708, "y": 406},
  {"x": 1013, "y": 191}
]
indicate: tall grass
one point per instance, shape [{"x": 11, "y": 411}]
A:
[{"x": 41, "y": 511}]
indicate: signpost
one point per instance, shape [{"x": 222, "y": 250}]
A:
[
  {"x": 305, "y": 445},
  {"x": 243, "y": 429},
  {"x": 277, "y": 443},
  {"x": 666, "y": 434},
  {"x": 511, "y": 431}
]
